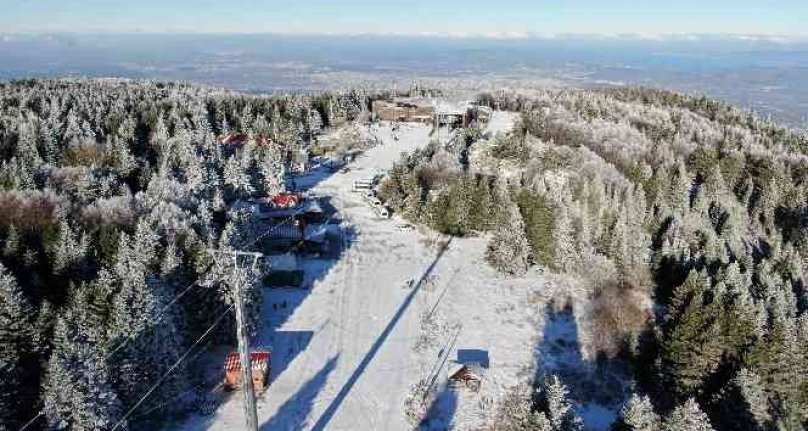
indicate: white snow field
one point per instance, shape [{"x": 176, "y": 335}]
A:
[{"x": 347, "y": 352}]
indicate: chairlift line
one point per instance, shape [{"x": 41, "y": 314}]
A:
[
  {"x": 129, "y": 339},
  {"x": 24, "y": 427},
  {"x": 172, "y": 368},
  {"x": 185, "y": 291},
  {"x": 174, "y": 397},
  {"x": 161, "y": 314}
]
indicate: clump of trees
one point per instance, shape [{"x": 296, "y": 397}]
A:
[
  {"x": 685, "y": 216},
  {"x": 110, "y": 194}
]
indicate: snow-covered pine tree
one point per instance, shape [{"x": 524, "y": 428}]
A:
[
  {"x": 516, "y": 413},
  {"x": 485, "y": 212},
  {"x": 618, "y": 249},
  {"x": 583, "y": 221},
  {"x": 261, "y": 126},
  {"x": 159, "y": 143},
  {"x": 68, "y": 249},
  {"x": 236, "y": 176},
  {"x": 126, "y": 131},
  {"x": 26, "y": 151},
  {"x": 779, "y": 363},
  {"x": 566, "y": 255},
  {"x": 77, "y": 390},
  {"x": 247, "y": 118},
  {"x": 16, "y": 345},
  {"x": 455, "y": 215},
  {"x": 692, "y": 346},
  {"x": 271, "y": 168},
  {"x": 11, "y": 245},
  {"x": 53, "y": 152},
  {"x": 638, "y": 415},
  {"x": 744, "y": 404},
  {"x": 554, "y": 402},
  {"x": 509, "y": 250},
  {"x": 140, "y": 314},
  {"x": 413, "y": 199},
  {"x": 688, "y": 417},
  {"x": 16, "y": 175},
  {"x": 119, "y": 155}
]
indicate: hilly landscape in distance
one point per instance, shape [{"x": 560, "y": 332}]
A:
[
  {"x": 763, "y": 73},
  {"x": 433, "y": 216},
  {"x": 653, "y": 243}
]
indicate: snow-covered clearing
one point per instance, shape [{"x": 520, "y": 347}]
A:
[{"x": 348, "y": 351}]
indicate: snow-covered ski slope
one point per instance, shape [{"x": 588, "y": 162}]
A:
[{"x": 347, "y": 352}]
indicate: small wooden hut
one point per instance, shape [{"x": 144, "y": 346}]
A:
[{"x": 469, "y": 376}]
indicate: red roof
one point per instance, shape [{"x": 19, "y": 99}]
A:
[
  {"x": 235, "y": 139},
  {"x": 259, "y": 361},
  {"x": 243, "y": 138},
  {"x": 286, "y": 200}
]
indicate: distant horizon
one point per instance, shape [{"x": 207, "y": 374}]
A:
[
  {"x": 765, "y": 73},
  {"x": 637, "y": 36},
  {"x": 784, "y": 18}
]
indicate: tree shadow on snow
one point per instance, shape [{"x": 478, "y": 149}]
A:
[
  {"x": 316, "y": 175},
  {"x": 291, "y": 416},
  {"x": 441, "y": 411},
  {"x": 280, "y": 303},
  {"x": 286, "y": 345},
  {"x": 559, "y": 352},
  {"x": 597, "y": 388},
  {"x": 333, "y": 407}
]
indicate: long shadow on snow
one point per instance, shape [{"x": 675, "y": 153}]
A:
[
  {"x": 441, "y": 411},
  {"x": 286, "y": 345},
  {"x": 291, "y": 416},
  {"x": 279, "y": 304},
  {"x": 332, "y": 408},
  {"x": 318, "y": 174},
  {"x": 596, "y": 389}
]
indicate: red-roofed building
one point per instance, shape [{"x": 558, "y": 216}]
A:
[
  {"x": 235, "y": 141},
  {"x": 286, "y": 200},
  {"x": 260, "y": 370}
]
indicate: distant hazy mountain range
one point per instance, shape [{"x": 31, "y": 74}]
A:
[{"x": 762, "y": 73}]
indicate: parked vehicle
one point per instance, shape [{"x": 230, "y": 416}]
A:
[{"x": 362, "y": 185}]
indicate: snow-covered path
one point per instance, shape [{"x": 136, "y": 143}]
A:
[{"x": 344, "y": 353}]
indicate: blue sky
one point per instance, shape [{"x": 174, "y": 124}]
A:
[{"x": 455, "y": 17}]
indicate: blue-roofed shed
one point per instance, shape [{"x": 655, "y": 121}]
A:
[{"x": 473, "y": 356}]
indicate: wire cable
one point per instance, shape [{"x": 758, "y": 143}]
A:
[
  {"x": 161, "y": 314},
  {"x": 127, "y": 340},
  {"x": 171, "y": 303},
  {"x": 176, "y": 396},
  {"x": 171, "y": 369},
  {"x": 32, "y": 420}
]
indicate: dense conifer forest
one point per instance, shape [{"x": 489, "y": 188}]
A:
[
  {"x": 684, "y": 218},
  {"x": 111, "y": 192}
]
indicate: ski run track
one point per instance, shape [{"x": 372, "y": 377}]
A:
[{"x": 348, "y": 351}]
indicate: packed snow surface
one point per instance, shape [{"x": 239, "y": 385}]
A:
[{"x": 392, "y": 311}]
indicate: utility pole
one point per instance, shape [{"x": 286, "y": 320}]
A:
[
  {"x": 250, "y": 414},
  {"x": 442, "y": 357}
]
